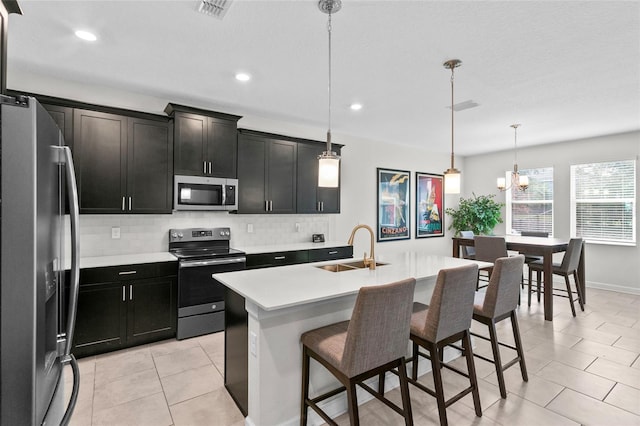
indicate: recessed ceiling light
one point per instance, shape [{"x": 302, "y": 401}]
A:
[
  {"x": 241, "y": 76},
  {"x": 86, "y": 35},
  {"x": 356, "y": 106}
]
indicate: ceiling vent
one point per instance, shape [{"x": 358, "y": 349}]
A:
[
  {"x": 460, "y": 106},
  {"x": 217, "y": 8}
]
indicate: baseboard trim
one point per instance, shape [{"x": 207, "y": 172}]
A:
[{"x": 613, "y": 287}]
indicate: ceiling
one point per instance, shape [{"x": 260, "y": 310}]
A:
[{"x": 564, "y": 69}]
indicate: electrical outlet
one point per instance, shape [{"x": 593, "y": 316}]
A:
[
  {"x": 250, "y": 228},
  {"x": 253, "y": 344},
  {"x": 115, "y": 232},
  {"x": 297, "y": 227}
]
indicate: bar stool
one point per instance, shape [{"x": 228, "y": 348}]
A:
[
  {"x": 445, "y": 320},
  {"x": 569, "y": 266},
  {"x": 468, "y": 252},
  {"x": 499, "y": 302},
  {"x": 488, "y": 249},
  {"x": 372, "y": 342}
]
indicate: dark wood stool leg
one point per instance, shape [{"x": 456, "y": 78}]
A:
[
  {"x": 353, "y": 404},
  {"x": 305, "y": 387},
  {"x": 580, "y": 296},
  {"x": 529, "y": 295},
  {"x": 496, "y": 358},
  {"x": 516, "y": 337},
  {"x": 471, "y": 368},
  {"x": 414, "y": 363},
  {"x": 538, "y": 280},
  {"x": 437, "y": 380},
  {"x": 566, "y": 280},
  {"x": 381, "y": 378},
  {"x": 404, "y": 391}
]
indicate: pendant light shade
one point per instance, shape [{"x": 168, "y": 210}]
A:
[
  {"x": 452, "y": 175},
  {"x": 329, "y": 161}
]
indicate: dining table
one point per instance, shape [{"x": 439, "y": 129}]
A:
[{"x": 537, "y": 246}]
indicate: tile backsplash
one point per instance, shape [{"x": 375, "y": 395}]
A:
[{"x": 150, "y": 233}]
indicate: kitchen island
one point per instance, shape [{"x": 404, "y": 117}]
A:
[{"x": 268, "y": 310}]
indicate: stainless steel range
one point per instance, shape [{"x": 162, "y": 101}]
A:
[{"x": 202, "y": 252}]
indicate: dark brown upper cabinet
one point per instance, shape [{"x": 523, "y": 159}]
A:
[
  {"x": 123, "y": 164},
  {"x": 206, "y": 142},
  {"x": 311, "y": 198}
]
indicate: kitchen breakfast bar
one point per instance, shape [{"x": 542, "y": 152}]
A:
[{"x": 268, "y": 309}]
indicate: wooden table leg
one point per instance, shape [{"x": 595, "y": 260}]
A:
[
  {"x": 548, "y": 285},
  {"x": 456, "y": 248},
  {"x": 581, "y": 275}
]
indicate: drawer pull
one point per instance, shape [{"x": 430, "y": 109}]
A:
[
  {"x": 127, "y": 272},
  {"x": 333, "y": 252},
  {"x": 280, "y": 257}
]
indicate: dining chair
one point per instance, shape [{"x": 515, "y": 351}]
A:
[
  {"x": 446, "y": 320},
  {"x": 488, "y": 249},
  {"x": 568, "y": 266},
  {"x": 372, "y": 342},
  {"x": 468, "y": 252}
]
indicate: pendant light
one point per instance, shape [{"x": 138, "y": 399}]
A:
[
  {"x": 452, "y": 175},
  {"x": 519, "y": 183},
  {"x": 329, "y": 161}
]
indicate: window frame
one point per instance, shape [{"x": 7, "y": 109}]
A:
[
  {"x": 574, "y": 202},
  {"x": 509, "y": 202}
]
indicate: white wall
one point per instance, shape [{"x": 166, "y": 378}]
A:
[
  {"x": 607, "y": 266},
  {"x": 612, "y": 267}
]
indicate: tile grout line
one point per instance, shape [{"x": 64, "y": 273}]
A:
[{"x": 155, "y": 367}]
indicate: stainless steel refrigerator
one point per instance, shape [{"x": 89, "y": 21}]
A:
[{"x": 38, "y": 311}]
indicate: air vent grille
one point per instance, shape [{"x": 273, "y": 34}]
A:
[{"x": 217, "y": 8}]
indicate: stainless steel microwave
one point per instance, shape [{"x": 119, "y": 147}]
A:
[{"x": 204, "y": 193}]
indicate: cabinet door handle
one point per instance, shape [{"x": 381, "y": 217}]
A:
[
  {"x": 123, "y": 204},
  {"x": 266, "y": 205},
  {"x": 318, "y": 206},
  {"x": 204, "y": 167},
  {"x": 209, "y": 167},
  {"x": 130, "y": 292},
  {"x": 333, "y": 252},
  {"x": 124, "y": 295},
  {"x": 271, "y": 205},
  {"x": 321, "y": 206},
  {"x": 279, "y": 257},
  {"x": 129, "y": 203},
  {"x": 127, "y": 272}
]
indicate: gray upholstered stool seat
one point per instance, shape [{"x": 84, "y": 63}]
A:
[
  {"x": 499, "y": 302},
  {"x": 488, "y": 249},
  {"x": 372, "y": 342},
  {"x": 445, "y": 320}
]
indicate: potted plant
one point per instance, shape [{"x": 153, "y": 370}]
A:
[{"x": 479, "y": 214}]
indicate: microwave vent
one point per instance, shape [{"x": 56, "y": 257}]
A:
[{"x": 217, "y": 8}]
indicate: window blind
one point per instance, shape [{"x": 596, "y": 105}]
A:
[
  {"x": 531, "y": 210},
  {"x": 603, "y": 201}
]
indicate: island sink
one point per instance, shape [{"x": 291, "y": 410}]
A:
[{"x": 349, "y": 266}]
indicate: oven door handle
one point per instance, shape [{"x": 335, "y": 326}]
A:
[{"x": 211, "y": 262}]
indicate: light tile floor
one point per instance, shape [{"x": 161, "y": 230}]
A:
[{"x": 583, "y": 370}]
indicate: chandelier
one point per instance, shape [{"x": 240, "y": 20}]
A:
[
  {"x": 518, "y": 182},
  {"x": 329, "y": 161},
  {"x": 452, "y": 175}
]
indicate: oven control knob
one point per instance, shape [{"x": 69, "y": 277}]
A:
[
  {"x": 226, "y": 233},
  {"x": 174, "y": 235},
  {"x": 180, "y": 235}
]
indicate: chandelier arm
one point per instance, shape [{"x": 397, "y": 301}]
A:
[{"x": 329, "y": 84}]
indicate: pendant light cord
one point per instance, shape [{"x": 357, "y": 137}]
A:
[
  {"x": 329, "y": 128},
  {"x": 452, "y": 68}
]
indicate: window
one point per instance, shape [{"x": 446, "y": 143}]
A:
[
  {"x": 603, "y": 202},
  {"x": 531, "y": 210}
]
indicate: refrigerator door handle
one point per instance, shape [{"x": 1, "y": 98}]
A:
[{"x": 75, "y": 250}]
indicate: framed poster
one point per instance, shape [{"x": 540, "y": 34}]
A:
[
  {"x": 429, "y": 205},
  {"x": 393, "y": 205}
]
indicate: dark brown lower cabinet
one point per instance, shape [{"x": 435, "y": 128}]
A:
[{"x": 115, "y": 314}]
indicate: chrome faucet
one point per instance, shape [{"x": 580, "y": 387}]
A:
[{"x": 371, "y": 261}]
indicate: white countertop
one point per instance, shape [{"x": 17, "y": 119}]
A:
[
  {"x": 123, "y": 259},
  {"x": 286, "y": 286},
  {"x": 291, "y": 247}
]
